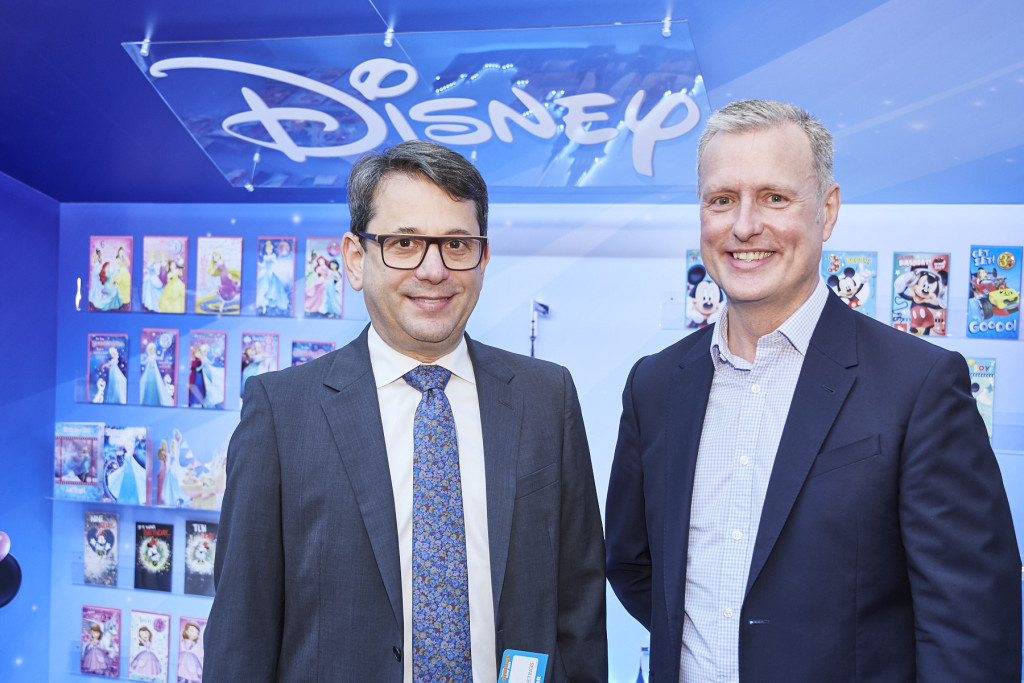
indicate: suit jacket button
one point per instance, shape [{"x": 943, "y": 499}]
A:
[{"x": 398, "y": 653}]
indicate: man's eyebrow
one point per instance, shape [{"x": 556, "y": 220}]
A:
[{"x": 409, "y": 230}]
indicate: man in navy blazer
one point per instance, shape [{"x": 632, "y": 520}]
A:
[
  {"x": 800, "y": 493},
  {"x": 314, "y": 559}
]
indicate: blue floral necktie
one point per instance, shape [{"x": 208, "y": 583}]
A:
[{"x": 440, "y": 580}]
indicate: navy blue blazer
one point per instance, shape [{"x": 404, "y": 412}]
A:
[
  {"x": 885, "y": 550},
  {"x": 307, "y": 569}
]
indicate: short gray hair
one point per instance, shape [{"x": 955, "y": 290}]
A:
[{"x": 750, "y": 115}]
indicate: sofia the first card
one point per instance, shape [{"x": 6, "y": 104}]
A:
[
  {"x": 148, "y": 647},
  {"x": 190, "y": 649},
  {"x": 101, "y": 641},
  {"x": 164, "y": 273},
  {"x": 219, "y": 275},
  {"x": 110, "y": 273}
]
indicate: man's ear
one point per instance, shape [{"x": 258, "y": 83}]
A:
[
  {"x": 830, "y": 211},
  {"x": 352, "y": 254}
]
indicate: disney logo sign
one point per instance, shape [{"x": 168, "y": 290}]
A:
[{"x": 583, "y": 113}]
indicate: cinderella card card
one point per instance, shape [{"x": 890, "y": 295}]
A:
[
  {"x": 219, "y": 276},
  {"x": 275, "y": 276},
  {"x": 110, "y": 273}
]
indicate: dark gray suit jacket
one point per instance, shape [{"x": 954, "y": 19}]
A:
[
  {"x": 307, "y": 569},
  {"x": 885, "y": 550}
]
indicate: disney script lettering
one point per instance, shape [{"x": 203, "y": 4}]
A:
[{"x": 368, "y": 80}]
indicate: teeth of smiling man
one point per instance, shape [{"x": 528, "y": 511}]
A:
[{"x": 751, "y": 255}]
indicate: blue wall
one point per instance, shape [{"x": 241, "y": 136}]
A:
[{"x": 28, "y": 351}]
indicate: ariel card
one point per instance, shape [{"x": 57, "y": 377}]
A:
[
  {"x": 305, "y": 351},
  {"x": 159, "y": 367},
  {"x": 77, "y": 460},
  {"x": 187, "y": 478},
  {"x": 324, "y": 283},
  {"x": 919, "y": 292},
  {"x": 101, "y": 641},
  {"x": 200, "y": 553},
  {"x": 100, "y": 556},
  {"x": 153, "y": 543},
  {"x": 219, "y": 276},
  {"x": 259, "y": 354},
  {"x": 164, "y": 273},
  {"x": 110, "y": 273},
  {"x": 983, "y": 387},
  {"x": 275, "y": 276},
  {"x": 206, "y": 374},
  {"x": 108, "y": 368},
  {"x": 149, "y": 646},
  {"x": 852, "y": 275},
  {"x": 704, "y": 298},
  {"x": 127, "y": 465},
  {"x": 993, "y": 306},
  {"x": 190, "y": 649}
]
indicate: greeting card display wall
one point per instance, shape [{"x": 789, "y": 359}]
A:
[{"x": 156, "y": 339}]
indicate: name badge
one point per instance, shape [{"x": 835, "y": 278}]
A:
[{"x": 522, "y": 667}]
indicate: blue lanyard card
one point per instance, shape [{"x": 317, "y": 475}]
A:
[{"x": 522, "y": 667}]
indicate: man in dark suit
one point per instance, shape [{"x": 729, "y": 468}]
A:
[
  {"x": 800, "y": 493},
  {"x": 359, "y": 543}
]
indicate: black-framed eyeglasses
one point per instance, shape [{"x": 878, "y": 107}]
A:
[{"x": 406, "y": 252}]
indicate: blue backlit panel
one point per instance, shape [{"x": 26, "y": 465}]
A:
[{"x": 600, "y": 106}]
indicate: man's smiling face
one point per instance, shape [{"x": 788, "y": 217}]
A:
[
  {"x": 423, "y": 312},
  {"x": 761, "y": 228}
]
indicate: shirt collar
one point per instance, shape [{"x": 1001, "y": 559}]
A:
[
  {"x": 797, "y": 329},
  {"x": 389, "y": 364}
]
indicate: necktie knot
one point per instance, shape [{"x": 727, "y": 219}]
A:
[{"x": 426, "y": 377}]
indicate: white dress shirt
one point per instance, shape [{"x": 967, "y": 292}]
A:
[
  {"x": 398, "y": 402},
  {"x": 746, "y": 413}
]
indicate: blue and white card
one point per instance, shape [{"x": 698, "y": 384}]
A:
[{"x": 518, "y": 666}]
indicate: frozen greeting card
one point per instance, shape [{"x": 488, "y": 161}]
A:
[
  {"x": 259, "y": 354},
  {"x": 159, "y": 368},
  {"x": 206, "y": 372},
  {"x": 108, "y": 368},
  {"x": 305, "y": 351}
]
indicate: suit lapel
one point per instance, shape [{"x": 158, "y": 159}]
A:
[
  {"x": 821, "y": 390},
  {"x": 501, "y": 416},
  {"x": 353, "y": 414},
  {"x": 685, "y": 406}
]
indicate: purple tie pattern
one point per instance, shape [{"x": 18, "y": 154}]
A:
[{"x": 440, "y": 581}]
